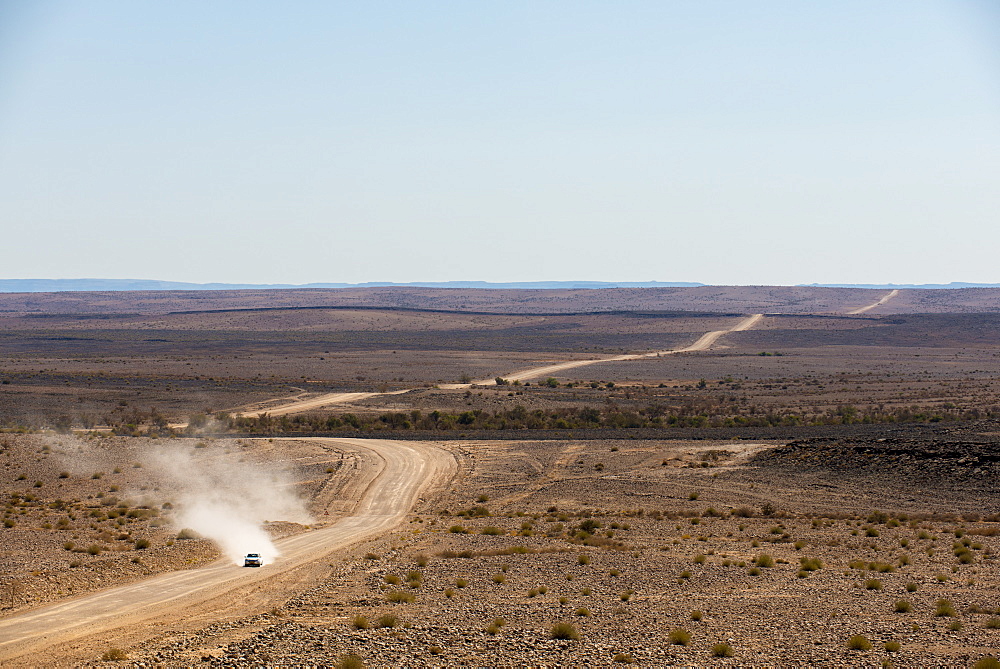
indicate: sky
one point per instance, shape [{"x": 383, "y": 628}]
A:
[{"x": 719, "y": 141}]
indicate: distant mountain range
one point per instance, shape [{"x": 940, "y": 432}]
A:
[
  {"x": 64, "y": 285},
  {"x": 60, "y": 285}
]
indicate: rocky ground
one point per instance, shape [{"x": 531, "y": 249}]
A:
[{"x": 659, "y": 553}]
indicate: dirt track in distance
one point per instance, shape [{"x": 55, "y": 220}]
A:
[
  {"x": 885, "y": 298},
  {"x": 705, "y": 342}
]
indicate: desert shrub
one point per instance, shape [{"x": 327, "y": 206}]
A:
[
  {"x": 564, "y": 631},
  {"x": 499, "y": 578},
  {"x": 583, "y": 559},
  {"x": 94, "y": 549},
  {"x": 400, "y": 597},
  {"x": 988, "y": 662},
  {"x": 859, "y": 642},
  {"x": 903, "y": 606},
  {"x": 680, "y": 637},
  {"x": 492, "y": 531},
  {"x": 623, "y": 658},
  {"x": 699, "y": 559},
  {"x": 764, "y": 560},
  {"x": 414, "y": 576},
  {"x": 421, "y": 560},
  {"x": 583, "y": 611},
  {"x": 372, "y": 556},
  {"x": 912, "y": 587},
  {"x": 697, "y": 615},
  {"x": 881, "y": 567},
  {"x": 944, "y": 609},
  {"x": 141, "y": 544},
  {"x": 810, "y": 564},
  {"x": 350, "y": 662},
  {"x": 458, "y": 529},
  {"x": 955, "y": 626},
  {"x": 492, "y": 629},
  {"x": 722, "y": 650},
  {"x": 359, "y": 622},
  {"x": 891, "y": 646},
  {"x": 754, "y": 571},
  {"x": 449, "y": 593},
  {"x": 435, "y": 650},
  {"x": 68, "y": 545},
  {"x": 873, "y": 584},
  {"x": 392, "y": 579},
  {"x": 993, "y": 624},
  {"x": 188, "y": 533},
  {"x": 114, "y": 655},
  {"x": 563, "y": 600},
  {"x": 627, "y": 595},
  {"x": 387, "y": 620},
  {"x": 461, "y": 582}
]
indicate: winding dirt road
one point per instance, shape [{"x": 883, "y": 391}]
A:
[
  {"x": 885, "y": 298},
  {"x": 78, "y": 626},
  {"x": 705, "y": 342}
]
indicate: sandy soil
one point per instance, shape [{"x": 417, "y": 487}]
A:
[{"x": 79, "y": 625}]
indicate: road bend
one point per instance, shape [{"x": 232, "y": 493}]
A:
[{"x": 407, "y": 469}]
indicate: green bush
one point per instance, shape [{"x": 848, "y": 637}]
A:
[
  {"x": 400, "y": 597},
  {"x": 114, "y": 655},
  {"x": 944, "y": 609},
  {"x": 859, "y": 642},
  {"x": 350, "y": 662},
  {"x": 359, "y": 622},
  {"x": 903, "y": 606},
  {"x": 764, "y": 560},
  {"x": 680, "y": 637},
  {"x": 722, "y": 650},
  {"x": 387, "y": 620},
  {"x": 564, "y": 631}
]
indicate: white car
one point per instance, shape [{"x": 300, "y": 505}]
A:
[{"x": 253, "y": 560}]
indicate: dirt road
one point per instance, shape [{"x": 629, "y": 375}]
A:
[
  {"x": 885, "y": 298},
  {"x": 705, "y": 342},
  {"x": 125, "y": 615}
]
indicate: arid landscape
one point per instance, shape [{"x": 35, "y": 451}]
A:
[{"x": 724, "y": 476}]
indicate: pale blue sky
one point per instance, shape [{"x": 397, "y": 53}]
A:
[{"x": 727, "y": 142}]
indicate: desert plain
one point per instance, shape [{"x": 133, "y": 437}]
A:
[{"x": 731, "y": 476}]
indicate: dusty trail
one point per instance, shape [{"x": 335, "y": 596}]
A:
[
  {"x": 885, "y": 298},
  {"x": 79, "y": 626},
  {"x": 705, "y": 342}
]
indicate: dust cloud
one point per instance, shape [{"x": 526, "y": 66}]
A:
[{"x": 225, "y": 499}]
